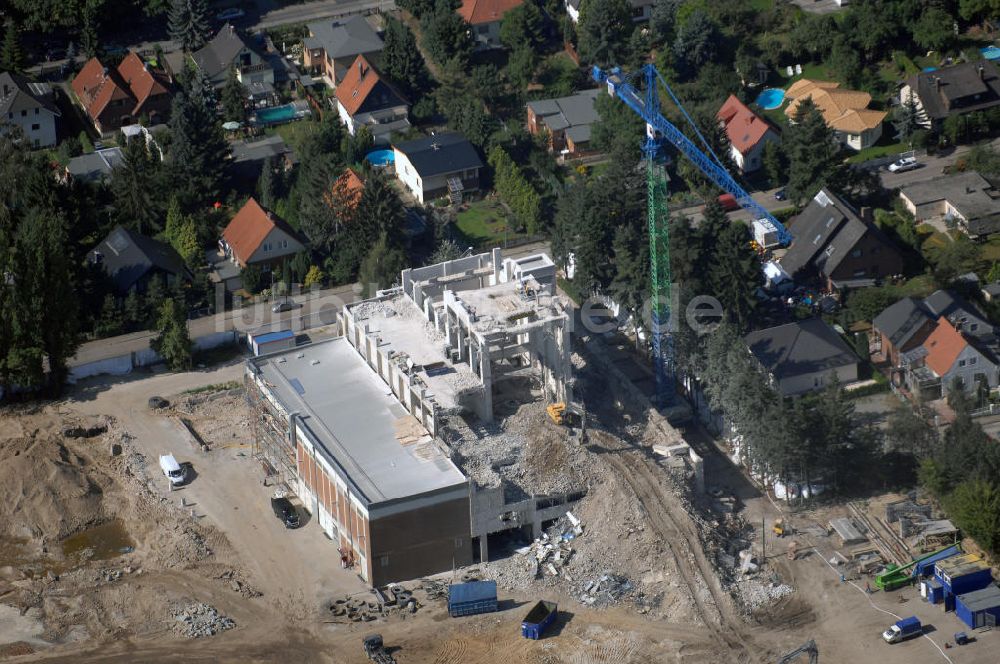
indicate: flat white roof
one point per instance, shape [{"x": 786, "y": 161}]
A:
[{"x": 356, "y": 421}]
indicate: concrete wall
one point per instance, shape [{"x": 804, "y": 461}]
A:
[{"x": 120, "y": 365}]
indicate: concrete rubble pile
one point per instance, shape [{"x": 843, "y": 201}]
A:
[
  {"x": 755, "y": 594},
  {"x": 605, "y": 589},
  {"x": 199, "y": 620}
]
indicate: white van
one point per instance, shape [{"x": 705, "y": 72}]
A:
[{"x": 172, "y": 469}]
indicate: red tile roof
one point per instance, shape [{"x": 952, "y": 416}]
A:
[
  {"x": 476, "y": 12},
  {"x": 944, "y": 345},
  {"x": 249, "y": 228},
  {"x": 358, "y": 82},
  {"x": 744, "y": 128},
  {"x": 350, "y": 184},
  {"x": 96, "y": 86}
]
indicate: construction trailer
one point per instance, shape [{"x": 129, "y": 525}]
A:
[
  {"x": 980, "y": 608},
  {"x": 963, "y": 574},
  {"x": 270, "y": 342}
]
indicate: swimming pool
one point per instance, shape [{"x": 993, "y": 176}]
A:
[
  {"x": 771, "y": 98},
  {"x": 381, "y": 157},
  {"x": 280, "y": 114},
  {"x": 990, "y": 52},
  {"x": 928, "y": 70}
]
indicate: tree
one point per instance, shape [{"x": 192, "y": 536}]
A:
[
  {"x": 953, "y": 258},
  {"x": 252, "y": 278},
  {"x": 133, "y": 186},
  {"x": 933, "y": 30},
  {"x": 381, "y": 267},
  {"x": 977, "y": 10},
  {"x": 313, "y": 277},
  {"x": 845, "y": 60},
  {"x": 617, "y": 131},
  {"x": 401, "y": 60},
  {"x": 774, "y": 162},
  {"x": 110, "y": 322},
  {"x": 132, "y": 312},
  {"x": 975, "y": 507},
  {"x": 446, "y": 250},
  {"x": 811, "y": 151},
  {"x": 11, "y": 55},
  {"x": 906, "y": 118},
  {"x": 695, "y": 43},
  {"x": 909, "y": 432},
  {"x": 735, "y": 275},
  {"x": 198, "y": 149},
  {"x": 446, "y": 35},
  {"x": 266, "y": 185},
  {"x": 172, "y": 342},
  {"x": 234, "y": 99},
  {"x": 521, "y": 67},
  {"x": 516, "y": 191},
  {"x": 182, "y": 234},
  {"x": 88, "y": 29},
  {"x": 523, "y": 26},
  {"x": 188, "y": 23},
  {"x": 603, "y": 30},
  {"x": 664, "y": 20}
]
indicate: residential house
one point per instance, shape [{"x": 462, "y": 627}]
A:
[
  {"x": 30, "y": 106},
  {"x": 902, "y": 329},
  {"x": 948, "y": 356},
  {"x": 438, "y": 165},
  {"x": 95, "y": 166},
  {"x": 256, "y": 236},
  {"x": 122, "y": 96},
  {"x": 748, "y": 134},
  {"x": 968, "y": 199},
  {"x": 803, "y": 356},
  {"x": 249, "y": 156},
  {"x": 991, "y": 291},
  {"x": 846, "y": 112},
  {"x": 229, "y": 49},
  {"x": 834, "y": 242},
  {"x": 954, "y": 90},
  {"x": 131, "y": 260},
  {"x": 365, "y": 99},
  {"x": 350, "y": 186},
  {"x": 484, "y": 18},
  {"x": 333, "y": 46},
  {"x": 642, "y": 10},
  {"x": 566, "y": 120}
]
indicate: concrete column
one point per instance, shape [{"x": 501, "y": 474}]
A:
[
  {"x": 460, "y": 337},
  {"x": 484, "y": 549},
  {"x": 486, "y": 372},
  {"x": 497, "y": 264}
]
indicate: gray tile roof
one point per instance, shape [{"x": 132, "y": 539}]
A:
[
  {"x": 900, "y": 321},
  {"x": 272, "y": 146},
  {"x": 972, "y": 195},
  {"x": 19, "y": 94},
  {"x": 960, "y": 313},
  {"x": 960, "y": 88},
  {"x": 825, "y": 233},
  {"x": 217, "y": 56},
  {"x": 343, "y": 38},
  {"x": 440, "y": 154},
  {"x": 573, "y": 111},
  {"x": 95, "y": 165},
  {"x": 800, "y": 348},
  {"x": 127, "y": 257}
]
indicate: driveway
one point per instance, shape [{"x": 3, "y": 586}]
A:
[
  {"x": 818, "y": 6},
  {"x": 297, "y": 570}
]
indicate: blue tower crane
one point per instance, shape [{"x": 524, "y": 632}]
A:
[{"x": 646, "y": 103}]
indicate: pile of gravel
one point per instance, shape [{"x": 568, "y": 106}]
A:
[{"x": 197, "y": 620}]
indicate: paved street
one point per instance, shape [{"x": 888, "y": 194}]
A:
[{"x": 323, "y": 304}]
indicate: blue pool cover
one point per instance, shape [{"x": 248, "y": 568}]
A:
[
  {"x": 381, "y": 157},
  {"x": 770, "y": 98}
]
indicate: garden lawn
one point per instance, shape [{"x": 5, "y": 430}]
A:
[{"x": 485, "y": 222}]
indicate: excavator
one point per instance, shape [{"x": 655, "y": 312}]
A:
[
  {"x": 565, "y": 414},
  {"x": 806, "y": 648}
]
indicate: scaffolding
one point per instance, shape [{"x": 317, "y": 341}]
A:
[{"x": 273, "y": 444}]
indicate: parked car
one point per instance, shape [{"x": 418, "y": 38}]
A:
[
  {"x": 903, "y": 165},
  {"x": 728, "y": 202},
  {"x": 780, "y": 195},
  {"x": 285, "y": 305},
  {"x": 284, "y": 510},
  {"x": 230, "y": 14},
  {"x": 173, "y": 470}
]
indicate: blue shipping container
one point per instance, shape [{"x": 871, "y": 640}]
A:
[
  {"x": 967, "y": 583},
  {"x": 466, "y": 599},
  {"x": 538, "y": 619},
  {"x": 932, "y": 591},
  {"x": 978, "y": 607}
]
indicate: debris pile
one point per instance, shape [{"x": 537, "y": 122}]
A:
[
  {"x": 198, "y": 620},
  {"x": 604, "y": 590},
  {"x": 754, "y": 594},
  {"x": 239, "y": 585}
]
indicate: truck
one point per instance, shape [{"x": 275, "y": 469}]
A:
[
  {"x": 541, "y": 616},
  {"x": 903, "y": 629},
  {"x": 375, "y": 649},
  {"x": 467, "y": 599}
]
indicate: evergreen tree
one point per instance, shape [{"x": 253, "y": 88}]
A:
[
  {"x": 198, "y": 149},
  {"x": 735, "y": 275},
  {"x": 188, "y": 23},
  {"x": 906, "y": 119},
  {"x": 773, "y": 160},
  {"x": 446, "y": 35},
  {"x": 110, "y": 323},
  {"x": 603, "y": 30},
  {"x": 401, "y": 60},
  {"x": 811, "y": 151},
  {"x": 266, "y": 185},
  {"x": 234, "y": 99},
  {"x": 182, "y": 234},
  {"x": 133, "y": 185},
  {"x": 88, "y": 30},
  {"x": 523, "y": 26},
  {"x": 664, "y": 20},
  {"x": 11, "y": 55},
  {"x": 172, "y": 341},
  {"x": 156, "y": 293},
  {"x": 133, "y": 314},
  {"x": 446, "y": 250},
  {"x": 381, "y": 267},
  {"x": 695, "y": 43}
]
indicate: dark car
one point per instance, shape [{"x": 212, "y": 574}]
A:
[
  {"x": 780, "y": 195},
  {"x": 287, "y": 305},
  {"x": 284, "y": 510}
]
